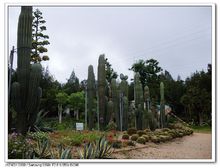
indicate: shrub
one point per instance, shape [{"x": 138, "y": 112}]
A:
[
  {"x": 134, "y": 137},
  {"x": 131, "y": 131},
  {"x": 141, "y": 140},
  {"x": 141, "y": 132},
  {"x": 39, "y": 135},
  {"x": 18, "y": 146},
  {"x": 125, "y": 136},
  {"x": 111, "y": 126}
]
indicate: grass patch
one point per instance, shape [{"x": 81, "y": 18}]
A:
[{"x": 202, "y": 129}]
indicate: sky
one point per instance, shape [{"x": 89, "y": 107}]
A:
[{"x": 178, "y": 37}]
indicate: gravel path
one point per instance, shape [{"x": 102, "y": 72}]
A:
[{"x": 196, "y": 146}]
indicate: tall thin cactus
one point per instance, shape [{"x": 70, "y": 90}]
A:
[
  {"x": 162, "y": 106},
  {"x": 101, "y": 91},
  {"x": 115, "y": 100},
  {"x": 91, "y": 97},
  {"x": 146, "y": 107},
  {"x": 138, "y": 97},
  {"x": 26, "y": 92}
]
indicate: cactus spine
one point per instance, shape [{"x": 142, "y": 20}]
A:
[
  {"x": 26, "y": 92},
  {"x": 138, "y": 97},
  {"x": 162, "y": 106},
  {"x": 101, "y": 91},
  {"x": 91, "y": 97}
]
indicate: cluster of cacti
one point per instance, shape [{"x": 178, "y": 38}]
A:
[
  {"x": 158, "y": 135},
  {"x": 113, "y": 105},
  {"x": 26, "y": 92},
  {"x": 91, "y": 108}
]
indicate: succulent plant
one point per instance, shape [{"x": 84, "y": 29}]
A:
[
  {"x": 131, "y": 131},
  {"x": 162, "y": 106},
  {"x": 125, "y": 136},
  {"x": 26, "y": 92},
  {"x": 141, "y": 140},
  {"x": 101, "y": 91},
  {"x": 91, "y": 97},
  {"x": 88, "y": 152},
  {"x": 134, "y": 137}
]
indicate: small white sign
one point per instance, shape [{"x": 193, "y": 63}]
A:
[{"x": 79, "y": 126}]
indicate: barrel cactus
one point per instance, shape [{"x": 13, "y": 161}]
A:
[{"x": 26, "y": 92}]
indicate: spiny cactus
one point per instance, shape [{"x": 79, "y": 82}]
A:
[
  {"x": 125, "y": 113},
  {"x": 124, "y": 85},
  {"x": 101, "y": 91},
  {"x": 146, "y": 107},
  {"x": 26, "y": 92},
  {"x": 115, "y": 100},
  {"x": 138, "y": 97},
  {"x": 110, "y": 111},
  {"x": 162, "y": 106},
  {"x": 91, "y": 97}
]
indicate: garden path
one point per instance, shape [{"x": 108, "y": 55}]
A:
[{"x": 196, "y": 146}]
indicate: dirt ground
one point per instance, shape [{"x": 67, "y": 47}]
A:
[{"x": 196, "y": 146}]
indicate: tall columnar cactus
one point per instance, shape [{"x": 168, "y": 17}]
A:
[
  {"x": 101, "y": 91},
  {"x": 138, "y": 97},
  {"x": 123, "y": 87},
  {"x": 110, "y": 111},
  {"x": 162, "y": 106},
  {"x": 125, "y": 113},
  {"x": 146, "y": 107},
  {"x": 91, "y": 97},
  {"x": 115, "y": 100},
  {"x": 26, "y": 92}
]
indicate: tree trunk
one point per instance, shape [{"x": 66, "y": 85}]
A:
[{"x": 60, "y": 109}]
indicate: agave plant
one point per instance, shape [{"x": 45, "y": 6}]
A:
[
  {"x": 43, "y": 149},
  {"x": 87, "y": 152},
  {"x": 64, "y": 153},
  {"x": 103, "y": 149}
]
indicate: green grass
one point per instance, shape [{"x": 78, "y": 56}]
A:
[{"x": 202, "y": 129}]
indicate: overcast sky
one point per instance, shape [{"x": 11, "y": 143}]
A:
[{"x": 178, "y": 37}]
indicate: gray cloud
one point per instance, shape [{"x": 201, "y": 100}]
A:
[{"x": 178, "y": 37}]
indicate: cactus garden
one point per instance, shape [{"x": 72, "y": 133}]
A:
[{"x": 108, "y": 115}]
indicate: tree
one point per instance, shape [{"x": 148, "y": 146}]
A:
[
  {"x": 197, "y": 99},
  {"x": 39, "y": 39},
  {"x": 77, "y": 102},
  {"x": 110, "y": 73},
  {"x": 149, "y": 74},
  {"x": 61, "y": 99},
  {"x": 72, "y": 85},
  {"x": 50, "y": 87}
]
